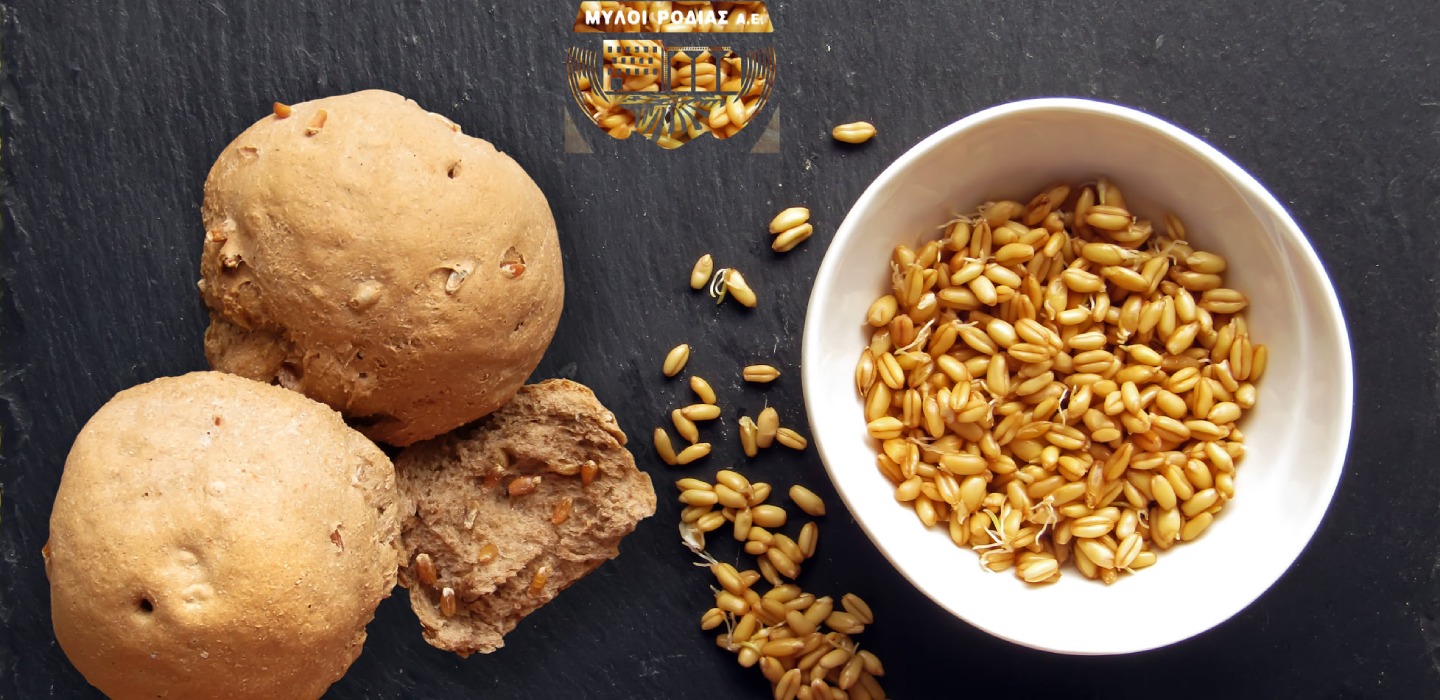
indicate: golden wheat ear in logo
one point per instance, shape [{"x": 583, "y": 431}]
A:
[
  {"x": 758, "y": 78},
  {"x": 584, "y": 79}
]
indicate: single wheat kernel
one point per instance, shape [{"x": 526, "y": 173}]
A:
[
  {"x": 734, "y": 480},
  {"x": 747, "y": 436},
  {"x": 702, "y": 389},
  {"x": 699, "y": 497},
  {"x": 701, "y": 411},
  {"x": 685, "y": 426},
  {"x": 1039, "y": 571},
  {"x": 767, "y": 426},
  {"x": 855, "y": 605},
  {"x": 844, "y": 622},
  {"x": 1128, "y": 550},
  {"x": 801, "y": 603},
  {"x": 760, "y": 374},
  {"x": 865, "y": 371},
  {"x": 664, "y": 447},
  {"x": 791, "y": 439},
  {"x": 730, "y": 498},
  {"x": 769, "y": 516},
  {"x": 425, "y": 569},
  {"x": 522, "y": 486},
  {"x": 736, "y": 286},
  {"x": 766, "y": 614},
  {"x": 743, "y": 522},
  {"x": 872, "y": 687},
  {"x": 788, "y": 240},
  {"x": 749, "y": 622},
  {"x": 882, "y": 311},
  {"x": 788, "y": 546},
  {"x": 886, "y": 428},
  {"x": 675, "y": 360},
  {"x": 782, "y": 648},
  {"x": 800, "y": 625},
  {"x": 835, "y": 658},
  {"x": 788, "y": 219},
  {"x": 700, "y": 274},
  {"x": 562, "y": 511},
  {"x": 1196, "y": 525},
  {"x": 890, "y": 371},
  {"x": 729, "y": 579},
  {"x": 850, "y": 674},
  {"x": 788, "y": 687},
  {"x": 854, "y": 132},
  {"x": 808, "y": 539},
  {"x": 807, "y": 501},
  {"x": 690, "y": 483},
  {"x": 692, "y": 453},
  {"x": 783, "y": 563},
  {"x": 537, "y": 583},
  {"x": 759, "y": 493},
  {"x": 713, "y": 618},
  {"x": 317, "y": 123}
]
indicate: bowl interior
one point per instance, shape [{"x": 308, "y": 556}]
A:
[{"x": 1296, "y": 434}]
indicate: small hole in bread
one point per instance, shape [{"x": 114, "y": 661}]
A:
[
  {"x": 144, "y": 605},
  {"x": 513, "y": 263},
  {"x": 454, "y": 170},
  {"x": 289, "y": 376}
]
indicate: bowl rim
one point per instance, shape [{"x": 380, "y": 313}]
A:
[{"x": 1307, "y": 259}]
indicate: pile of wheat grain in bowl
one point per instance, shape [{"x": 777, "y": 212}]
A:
[{"x": 1057, "y": 381}]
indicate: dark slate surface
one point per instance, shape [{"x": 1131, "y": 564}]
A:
[{"x": 113, "y": 112}]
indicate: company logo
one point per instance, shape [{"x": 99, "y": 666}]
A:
[{"x": 678, "y": 88}]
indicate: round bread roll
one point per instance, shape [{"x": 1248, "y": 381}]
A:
[
  {"x": 215, "y": 537},
  {"x": 364, "y": 252}
]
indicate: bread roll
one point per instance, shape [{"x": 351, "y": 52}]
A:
[
  {"x": 215, "y": 537},
  {"x": 364, "y": 252}
]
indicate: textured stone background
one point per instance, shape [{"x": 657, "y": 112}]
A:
[{"x": 113, "y": 112}]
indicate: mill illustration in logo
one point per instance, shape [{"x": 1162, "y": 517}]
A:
[{"x": 672, "y": 92}]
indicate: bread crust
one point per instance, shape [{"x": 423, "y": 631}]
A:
[
  {"x": 215, "y": 537},
  {"x": 364, "y": 252},
  {"x": 548, "y": 430}
]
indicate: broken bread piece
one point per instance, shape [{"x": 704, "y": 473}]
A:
[{"x": 512, "y": 510}]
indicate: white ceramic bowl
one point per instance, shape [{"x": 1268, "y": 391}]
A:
[{"x": 1296, "y": 434}]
